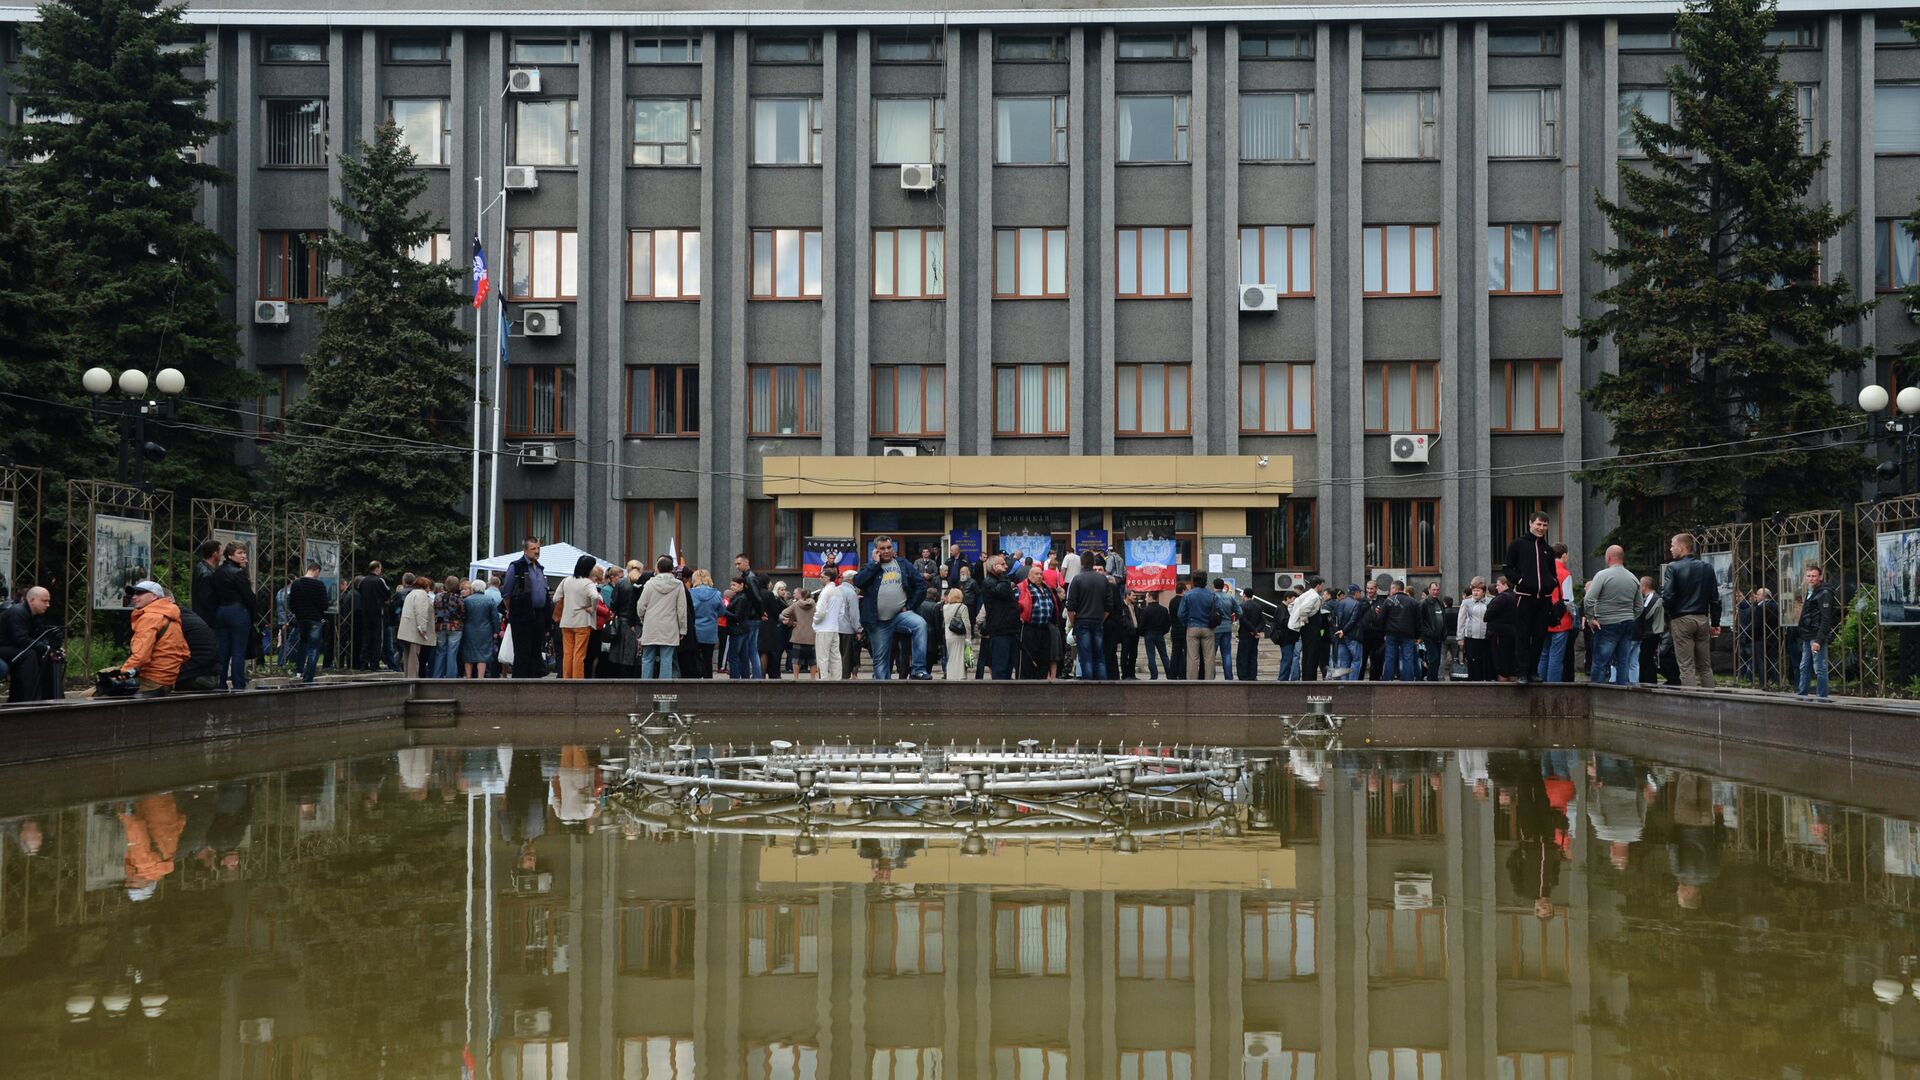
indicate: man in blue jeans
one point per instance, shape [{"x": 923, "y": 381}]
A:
[
  {"x": 1819, "y": 618},
  {"x": 744, "y": 566},
  {"x": 307, "y": 601},
  {"x": 1402, "y": 661},
  {"x": 1229, "y": 606},
  {"x": 887, "y": 585},
  {"x": 1087, "y": 601},
  {"x": 1612, "y": 602},
  {"x": 1349, "y": 634}
]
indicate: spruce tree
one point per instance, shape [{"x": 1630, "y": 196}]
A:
[
  {"x": 379, "y": 439},
  {"x": 1726, "y": 326},
  {"x": 111, "y": 193}
]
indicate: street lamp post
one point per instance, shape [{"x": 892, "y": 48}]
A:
[
  {"x": 1902, "y": 429},
  {"x": 133, "y": 407}
]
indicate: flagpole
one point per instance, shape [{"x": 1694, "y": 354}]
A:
[
  {"x": 479, "y": 375},
  {"x": 506, "y": 284}
]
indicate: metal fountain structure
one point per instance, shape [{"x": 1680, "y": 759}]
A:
[{"x": 977, "y": 795}]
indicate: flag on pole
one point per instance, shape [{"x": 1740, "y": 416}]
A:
[
  {"x": 504, "y": 326},
  {"x": 481, "y": 283}
]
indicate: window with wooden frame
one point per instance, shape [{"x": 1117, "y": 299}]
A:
[
  {"x": 1793, "y": 34},
  {"x": 1151, "y": 399},
  {"x": 1261, "y": 1061},
  {"x": 1031, "y": 939},
  {"x": 1404, "y": 534},
  {"x": 1030, "y": 399},
  {"x": 663, "y": 401},
  {"x": 783, "y": 399},
  {"x": 1401, "y": 125},
  {"x": 294, "y": 134},
  {"x": 1804, "y": 97},
  {"x": 1511, "y": 515},
  {"x": 417, "y": 49},
  {"x": 1278, "y": 255},
  {"x": 1280, "y": 941},
  {"x": 425, "y": 128},
  {"x": 278, "y": 49},
  {"x": 1402, "y": 396},
  {"x": 655, "y": 526},
  {"x": 663, "y": 264},
  {"x": 544, "y": 50},
  {"x": 1653, "y": 102},
  {"x": 1030, "y": 130},
  {"x": 906, "y": 937},
  {"x": 1896, "y": 255},
  {"x": 1276, "y": 127},
  {"x": 1523, "y": 123},
  {"x": 1406, "y": 1063},
  {"x": 904, "y": 1062},
  {"x": 1169, "y": 46},
  {"x": 1399, "y": 260},
  {"x": 437, "y": 248},
  {"x": 657, "y": 1057},
  {"x": 656, "y": 938},
  {"x": 1526, "y": 396},
  {"x": 1032, "y": 1062},
  {"x": 909, "y": 400},
  {"x": 525, "y": 1059},
  {"x": 1523, "y": 41},
  {"x": 782, "y": 938},
  {"x": 1155, "y": 1063},
  {"x": 546, "y": 132},
  {"x": 1276, "y": 399},
  {"x": 551, "y": 520},
  {"x": 1153, "y": 941},
  {"x": 1030, "y": 47},
  {"x": 1407, "y": 943},
  {"x": 1151, "y": 262},
  {"x": 1532, "y": 949},
  {"x": 1276, "y": 45},
  {"x": 786, "y": 131},
  {"x": 291, "y": 267},
  {"x": 767, "y": 1061},
  {"x": 664, "y": 50},
  {"x": 1153, "y": 127},
  {"x": 909, "y": 131},
  {"x": 909, "y": 264},
  {"x": 1523, "y": 259},
  {"x": 1029, "y": 264},
  {"x": 1283, "y": 538},
  {"x": 666, "y": 131},
  {"x": 543, "y": 264},
  {"x": 786, "y": 264},
  {"x": 1537, "y": 1065},
  {"x": 774, "y": 535},
  {"x": 539, "y": 401},
  {"x": 285, "y": 386}
]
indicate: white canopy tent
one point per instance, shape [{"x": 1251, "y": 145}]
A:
[{"x": 556, "y": 559}]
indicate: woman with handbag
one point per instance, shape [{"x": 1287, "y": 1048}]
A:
[
  {"x": 959, "y": 624},
  {"x": 578, "y": 600}
]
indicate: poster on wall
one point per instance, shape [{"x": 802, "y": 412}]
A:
[
  {"x": 122, "y": 555},
  {"x": 969, "y": 543},
  {"x": 1028, "y": 535},
  {"x": 248, "y": 540},
  {"x": 1722, "y": 563},
  {"x": 1897, "y": 554},
  {"x": 6, "y": 548},
  {"x": 1790, "y": 577},
  {"x": 1090, "y": 540},
  {"x": 818, "y": 552},
  {"x": 1150, "y": 552},
  {"x": 327, "y": 554}
]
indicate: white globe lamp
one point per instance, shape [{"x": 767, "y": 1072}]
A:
[
  {"x": 133, "y": 382},
  {"x": 1909, "y": 400},
  {"x": 1873, "y": 398},
  {"x": 169, "y": 381},
  {"x": 97, "y": 380}
]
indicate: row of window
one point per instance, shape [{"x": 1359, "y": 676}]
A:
[
  {"x": 910, "y": 264},
  {"x": 1031, "y": 399},
  {"x": 1398, "y": 125},
  {"x": 1383, "y": 43}
]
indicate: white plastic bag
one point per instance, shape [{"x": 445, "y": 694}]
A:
[{"x": 506, "y": 649}]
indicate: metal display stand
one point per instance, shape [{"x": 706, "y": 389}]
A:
[{"x": 87, "y": 501}]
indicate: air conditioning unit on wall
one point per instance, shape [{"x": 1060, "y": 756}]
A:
[
  {"x": 1288, "y": 579},
  {"x": 523, "y": 81},
  {"x": 540, "y": 322},
  {"x": 900, "y": 451},
  {"x": 922, "y": 177},
  {"x": 271, "y": 312},
  {"x": 1260, "y": 298},
  {"x": 521, "y": 178},
  {"x": 1410, "y": 449},
  {"x": 539, "y": 455}
]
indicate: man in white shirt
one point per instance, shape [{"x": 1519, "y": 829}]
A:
[
  {"x": 1300, "y": 616},
  {"x": 835, "y": 613}
]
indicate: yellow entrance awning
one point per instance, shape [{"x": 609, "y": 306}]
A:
[{"x": 933, "y": 483}]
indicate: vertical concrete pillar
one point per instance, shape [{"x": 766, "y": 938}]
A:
[
  {"x": 1331, "y": 504},
  {"x": 1080, "y": 382},
  {"x": 855, "y": 441},
  {"x": 245, "y": 163},
  {"x": 590, "y": 509},
  {"x": 1867, "y": 205},
  {"x": 1452, "y": 455},
  {"x": 1573, "y": 201},
  {"x": 727, "y": 516},
  {"x": 1228, "y": 312},
  {"x": 1351, "y": 462},
  {"x": 712, "y": 310},
  {"x": 832, "y": 440},
  {"x": 339, "y": 128},
  {"x": 1471, "y": 419},
  {"x": 1200, "y": 268},
  {"x": 609, "y": 202},
  {"x": 952, "y": 47},
  {"x": 981, "y": 377}
]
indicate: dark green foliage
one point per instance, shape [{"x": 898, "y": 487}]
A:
[
  {"x": 1725, "y": 328},
  {"x": 130, "y": 279},
  {"x": 379, "y": 438}
]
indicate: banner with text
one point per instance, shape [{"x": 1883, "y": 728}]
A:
[
  {"x": 1028, "y": 535},
  {"x": 969, "y": 543},
  {"x": 1150, "y": 552},
  {"x": 823, "y": 551}
]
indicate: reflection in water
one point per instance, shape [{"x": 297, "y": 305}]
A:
[{"x": 1388, "y": 916}]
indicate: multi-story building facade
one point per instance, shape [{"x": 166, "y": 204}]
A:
[{"x": 745, "y": 248}]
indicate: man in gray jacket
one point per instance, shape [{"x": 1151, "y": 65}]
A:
[
  {"x": 662, "y": 610},
  {"x": 1612, "y": 601}
]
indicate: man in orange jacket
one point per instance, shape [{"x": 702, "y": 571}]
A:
[{"x": 159, "y": 641}]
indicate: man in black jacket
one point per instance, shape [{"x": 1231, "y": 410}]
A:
[
  {"x": 1691, "y": 593},
  {"x": 1400, "y": 619},
  {"x": 1530, "y": 570},
  {"x": 29, "y": 643},
  {"x": 1254, "y": 620},
  {"x": 370, "y": 617},
  {"x": 1373, "y": 631},
  {"x": 1819, "y": 618},
  {"x": 1088, "y": 595},
  {"x": 528, "y": 608},
  {"x": 1433, "y": 632},
  {"x": 1000, "y": 623},
  {"x": 1153, "y": 623},
  {"x": 206, "y": 561},
  {"x": 307, "y": 604},
  {"x": 1178, "y": 629}
]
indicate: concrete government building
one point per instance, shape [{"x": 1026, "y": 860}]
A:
[{"x": 777, "y": 271}]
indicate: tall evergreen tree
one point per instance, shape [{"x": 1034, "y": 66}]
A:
[
  {"x": 378, "y": 439},
  {"x": 101, "y": 173},
  {"x": 1726, "y": 327}
]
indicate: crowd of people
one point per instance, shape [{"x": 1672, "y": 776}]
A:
[{"x": 1071, "y": 616}]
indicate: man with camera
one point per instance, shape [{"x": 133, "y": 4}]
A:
[
  {"x": 30, "y": 646},
  {"x": 172, "y": 649}
]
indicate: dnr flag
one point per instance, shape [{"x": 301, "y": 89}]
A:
[{"x": 481, "y": 284}]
